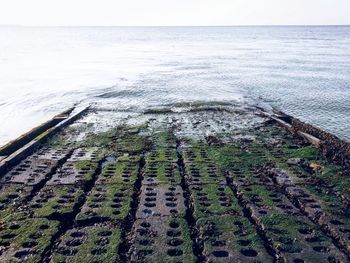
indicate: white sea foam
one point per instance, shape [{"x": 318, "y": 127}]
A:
[{"x": 302, "y": 70}]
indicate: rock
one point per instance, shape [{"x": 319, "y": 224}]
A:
[
  {"x": 316, "y": 167},
  {"x": 294, "y": 161},
  {"x": 273, "y": 141},
  {"x": 213, "y": 140},
  {"x": 281, "y": 176}
]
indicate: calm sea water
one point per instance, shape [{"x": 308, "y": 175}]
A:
[{"x": 304, "y": 71}]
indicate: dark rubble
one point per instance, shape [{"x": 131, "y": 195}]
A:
[{"x": 208, "y": 185}]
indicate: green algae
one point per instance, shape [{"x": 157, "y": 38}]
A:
[
  {"x": 203, "y": 173},
  {"x": 162, "y": 239},
  {"x": 219, "y": 216},
  {"x": 98, "y": 243},
  {"x": 162, "y": 155},
  {"x": 262, "y": 195},
  {"x": 233, "y": 236},
  {"x": 25, "y": 239},
  {"x": 85, "y": 165},
  {"x": 161, "y": 172},
  {"x": 120, "y": 172},
  {"x": 130, "y": 140},
  {"x": 196, "y": 153},
  {"x": 59, "y": 141},
  {"x": 163, "y": 139},
  {"x": 106, "y": 202},
  {"x": 135, "y": 158},
  {"x": 12, "y": 195},
  {"x": 99, "y": 139},
  {"x": 229, "y": 156},
  {"x": 56, "y": 201},
  {"x": 307, "y": 152},
  {"x": 327, "y": 184},
  {"x": 213, "y": 199},
  {"x": 285, "y": 232}
]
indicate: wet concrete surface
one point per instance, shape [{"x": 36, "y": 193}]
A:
[{"x": 195, "y": 186}]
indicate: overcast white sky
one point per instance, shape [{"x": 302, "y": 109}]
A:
[{"x": 173, "y": 12}]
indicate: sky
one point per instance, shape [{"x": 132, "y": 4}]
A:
[{"x": 173, "y": 12}]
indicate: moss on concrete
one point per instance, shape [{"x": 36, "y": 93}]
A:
[
  {"x": 24, "y": 239},
  {"x": 98, "y": 243},
  {"x": 230, "y": 238},
  {"x": 56, "y": 201},
  {"x": 106, "y": 202}
]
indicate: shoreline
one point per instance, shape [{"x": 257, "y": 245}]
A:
[{"x": 332, "y": 147}]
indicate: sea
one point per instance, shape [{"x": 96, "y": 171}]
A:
[{"x": 301, "y": 70}]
